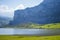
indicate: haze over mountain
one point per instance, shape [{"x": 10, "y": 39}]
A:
[
  {"x": 46, "y": 12},
  {"x": 4, "y": 21}
]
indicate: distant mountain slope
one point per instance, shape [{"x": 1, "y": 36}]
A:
[
  {"x": 44, "y": 13},
  {"x": 4, "y": 21}
]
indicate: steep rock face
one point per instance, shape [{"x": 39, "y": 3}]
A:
[{"x": 46, "y": 12}]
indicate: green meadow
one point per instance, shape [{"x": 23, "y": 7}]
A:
[{"x": 7, "y": 37}]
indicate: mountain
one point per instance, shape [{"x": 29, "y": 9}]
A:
[
  {"x": 45, "y": 13},
  {"x": 4, "y": 21}
]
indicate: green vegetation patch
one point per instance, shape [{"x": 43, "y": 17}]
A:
[
  {"x": 34, "y": 25},
  {"x": 5, "y": 37}
]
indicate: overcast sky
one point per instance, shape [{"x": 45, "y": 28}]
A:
[{"x": 7, "y": 7}]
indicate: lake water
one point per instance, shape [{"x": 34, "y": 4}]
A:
[{"x": 12, "y": 31}]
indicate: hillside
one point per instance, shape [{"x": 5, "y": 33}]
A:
[{"x": 34, "y": 25}]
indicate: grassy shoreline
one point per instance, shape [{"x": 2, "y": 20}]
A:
[{"x": 15, "y": 37}]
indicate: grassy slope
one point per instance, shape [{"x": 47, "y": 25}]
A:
[
  {"x": 53, "y": 25},
  {"x": 29, "y": 37},
  {"x": 33, "y": 25}
]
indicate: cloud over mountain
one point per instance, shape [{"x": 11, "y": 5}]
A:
[
  {"x": 20, "y": 7},
  {"x": 5, "y": 8}
]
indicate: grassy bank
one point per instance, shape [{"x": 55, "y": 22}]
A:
[{"x": 29, "y": 37}]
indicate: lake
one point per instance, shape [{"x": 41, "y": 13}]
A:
[{"x": 12, "y": 31}]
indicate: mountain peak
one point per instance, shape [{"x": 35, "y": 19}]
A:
[{"x": 46, "y": 12}]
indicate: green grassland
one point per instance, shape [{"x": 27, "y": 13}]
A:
[
  {"x": 2, "y": 37},
  {"x": 34, "y": 25}
]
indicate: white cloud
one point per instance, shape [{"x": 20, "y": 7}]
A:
[
  {"x": 5, "y": 8},
  {"x": 9, "y": 12},
  {"x": 21, "y": 6},
  {"x": 6, "y": 11},
  {"x": 41, "y": 1}
]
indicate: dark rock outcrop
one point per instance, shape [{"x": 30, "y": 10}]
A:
[{"x": 46, "y": 12}]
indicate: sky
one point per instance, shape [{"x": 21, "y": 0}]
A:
[{"x": 7, "y": 7}]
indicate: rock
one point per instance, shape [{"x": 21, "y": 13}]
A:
[{"x": 44, "y": 13}]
